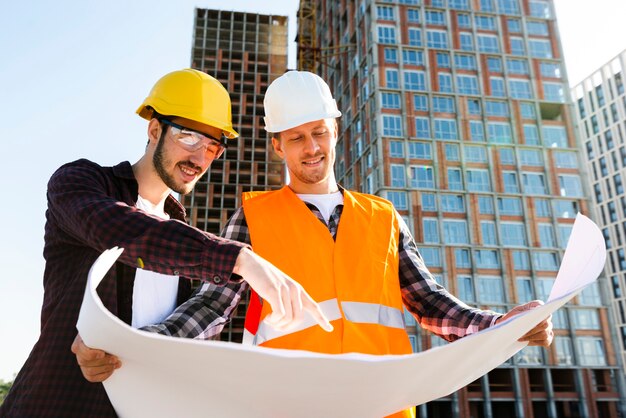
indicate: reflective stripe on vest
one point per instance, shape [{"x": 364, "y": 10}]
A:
[{"x": 359, "y": 312}]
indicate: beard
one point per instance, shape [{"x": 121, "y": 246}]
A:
[{"x": 160, "y": 161}]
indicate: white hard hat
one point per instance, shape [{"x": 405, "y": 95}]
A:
[{"x": 296, "y": 98}]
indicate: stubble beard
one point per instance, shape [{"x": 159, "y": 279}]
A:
[{"x": 160, "y": 162}]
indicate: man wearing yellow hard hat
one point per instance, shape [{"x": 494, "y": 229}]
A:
[{"x": 92, "y": 208}]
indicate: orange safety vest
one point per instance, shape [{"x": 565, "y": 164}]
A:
[{"x": 354, "y": 279}]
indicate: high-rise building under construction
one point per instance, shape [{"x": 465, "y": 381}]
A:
[
  {"x": 458, "y": 111},
  {"x": 245, "y": 52}
]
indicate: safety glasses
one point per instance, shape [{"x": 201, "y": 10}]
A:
[{"x": 192, "y": 141}]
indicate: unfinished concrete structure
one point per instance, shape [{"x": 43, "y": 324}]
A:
[{"x": 246, "y": 52}]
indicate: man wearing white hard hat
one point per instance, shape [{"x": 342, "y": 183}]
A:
[{"x": 351, "y": 251}]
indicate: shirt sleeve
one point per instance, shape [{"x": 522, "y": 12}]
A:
[
  {"x": 204, "y": 315},
  {"x": 82, "y": 203},
  {"x": 434, "y": 308}
]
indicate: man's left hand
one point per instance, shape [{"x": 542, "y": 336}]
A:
[{"x": 541, "y": 334}]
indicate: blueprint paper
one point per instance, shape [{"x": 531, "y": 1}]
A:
[{"x": 164, "y": 376}]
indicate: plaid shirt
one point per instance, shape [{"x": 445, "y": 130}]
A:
[
  {"x": 208, "y": 310},
  {"x": 90, "y": 209}
]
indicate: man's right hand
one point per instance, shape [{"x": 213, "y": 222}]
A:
[
  {"x": 287, "y": 297},
  {"x": 96, "y": 365}
]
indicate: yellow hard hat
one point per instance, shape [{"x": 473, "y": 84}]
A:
[{"x": 193, "y": 95}]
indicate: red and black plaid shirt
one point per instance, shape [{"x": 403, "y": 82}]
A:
[{"x": 90, "y": 209}]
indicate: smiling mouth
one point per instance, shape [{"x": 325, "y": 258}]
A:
[
  {"x": 188, "y": 170},
  {"x": 313, "y": 162}
]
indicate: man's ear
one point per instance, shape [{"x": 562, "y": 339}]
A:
[
  {"x": 154, "y": 131},
  {"x": 278, "y": 147}
]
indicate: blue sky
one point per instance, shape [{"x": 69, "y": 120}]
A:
[{"x": 72, "y": 74}]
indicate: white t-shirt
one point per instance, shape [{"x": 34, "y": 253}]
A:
[
  {"x": 154, "y": 294},
  {"x": 326, "y": 203}
]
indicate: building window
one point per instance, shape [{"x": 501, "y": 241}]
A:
[
  {"x": 467, "y": 84},
  {"x": 528, "y": 111},
  {"x": 485, "y": 22},
  {"x": 531, "y": 135},
  {"x": 465, "y": 62},
  {"x": 531, "y": 157},
  {"x": 459, "y": 4},
  {"x": 514, "y": 25},
  {"x": 488, "y": 44},
  {"x": 509, "y": 178},
  {"x": 429, "y": 202},
  {"x": 529, "y": 355},
  {"x": 496, "y": 108},
  {"x": 564, "y": 352},
  {"x": 517, "y": 46},
  {"x": 591, "y": 351},
  {"x": 437, "y": 39},
  {"x": 494, "y": 64},
  {"x": 545, "y": 261},
  {"x": 399, "y": 200},
  {"x": 431, "y": 231},
  {"x": 415, "y": 37},
  {"x": 554, "y": 136},
  {"x": 517, "y": 66},
  {"x": 542, "y": 208},
  {"x": 420, "y": 150},
  {"x": 392, "y": 125},
  {"x": 564, "y": 233},
  {"x": 420, "y": 103},
  {"x": 520, "y": 89},
  {"x": 412, "y": 57},
  {"x": 487, "y": 259},
  {"x": 443, "y": 59},
  {"x": 478, "y": 181},
  {"x": 422, "y": 128},
  {"x": 422, "y": 177},
  {"x": 540, "y": 9},
  {"x": 390, "y": 100},
  {"x": 452, "y": 152},
  {"x": 553, "y": 92},
  {"x": 524, "y": 289},
  {"x": 507, "y": 156},
  {"x": 508, "y": 7},
  {"x": 398, "y": 177},
  {"x": 396, "y": 149},
  {"x": 431, "y": 256},
  {"x": 455, "y": 180},
  {"x": 391, "y": 79},
  {"x": 537, "y": 28},
  {"x": 477, "y": 131},
  {"x": 464, "y": 21},
  {"x": 546, "y": 236},
  {"x": 475, "y": 154},
  {"x": 435, "y": 17},
  {"x": 513, "y": 234},
  {"x": 510, "y": 206},
  {"x": 590, "y": 296},
  {"x": 499, "y": 133},
  {"x": 386, "y": 34},
  {"x": 540, "y": 48},
  {"x": 443, "y": 104},
  {"x": 565, "y": 208},
  {"x": 413, "y": 15},
  {"x": 445, "y": 129},
  {"x": 384, "y": 12},
  {"x": 534, "y": 183},
  {"x": 391, "y": 55},
  {"x": 565, "y": 159},
  {"x": 485, "y": 205},
  {"x": 570, "y": 185},
  {"x": 550, "y": 70},
  {"x": 521, "y": 260},
  {"x": 452, "y": 203},
  {"x": 465, "y": 285},
  {"x": 497, "y": 86},
  {"x": 490, "y": 290},
  {"x": 455, "y": 232},
  {"x": 486, "y": 6},
  {"x": 488, "y": 231},
  {"x": 414, "y": 80},
  {"x": 466, "y": 41},
  {"x": 445, "y": 82}
]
